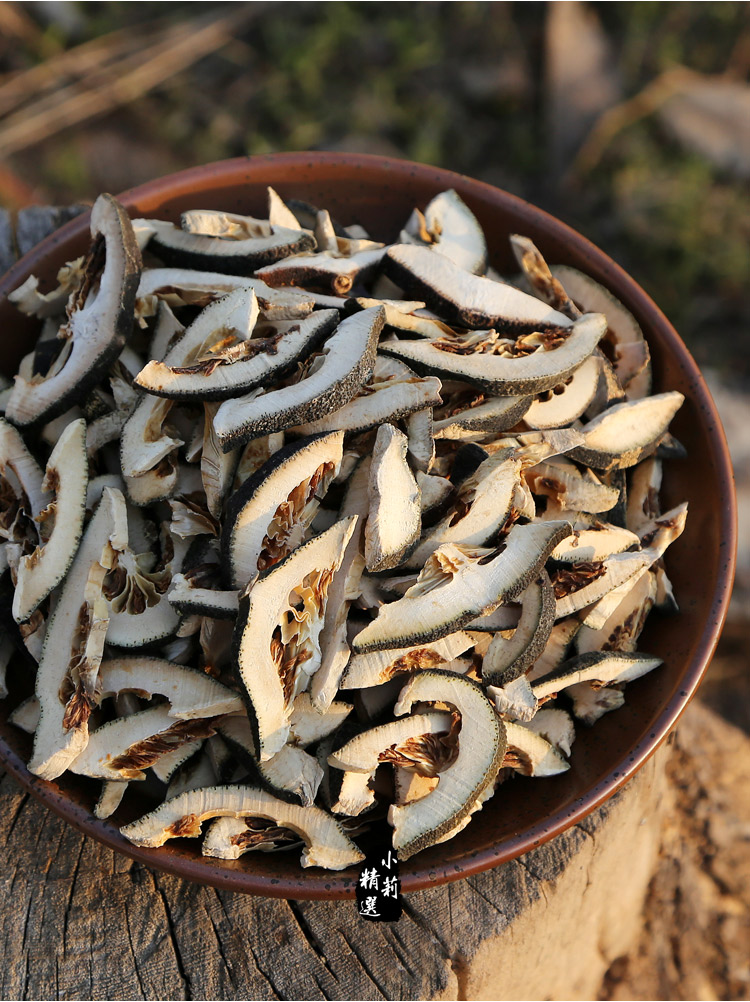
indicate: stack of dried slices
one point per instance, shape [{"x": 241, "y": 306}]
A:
[{"x": 304, "y": 529}]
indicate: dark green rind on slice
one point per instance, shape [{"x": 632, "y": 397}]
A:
[
  {"x": 607, "y": 461},
  {"x": 239, "y": 501},
  {"x": 338, "y": 391},
  {"x": 245, "y": 374},
  {"x": 84, "y": 368},
  {"x": 524, "y": 648},
  {"x": 588, "y": 663},
  {"x": 494, "y": 734},
  {"x": 504, "y": 413},
  {"x": 503, "y": 376},
  {"x": 245, "y": 755},
  {"x": 462, "y": 313},
  {"x": 466, "y": 607},
  {"x": 200, "y": 253}
]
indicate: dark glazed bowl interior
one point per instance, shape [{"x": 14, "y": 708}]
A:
[{"x": 380, "y": 193}]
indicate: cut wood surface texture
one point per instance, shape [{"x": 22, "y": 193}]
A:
[{"x": 648, "y": 898}]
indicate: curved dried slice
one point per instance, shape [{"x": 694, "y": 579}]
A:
[
  {"x": 191, "y": 693},
  {"x": 194, "y": 773},
  {"x": 434, "y": 492},
  {"x": 480, "y": 415},
  {"x": 323, "y": 271},
  {"x": 123, "y": 748},
  {"x": 400, "y": 315},
  {"x": 590, "y": 703},
  {"x": 643, "y": 493},
  {"x": 594, "y": 543},
  {"x": 609, "y": 390},
  {"x": 511, "y": 654},
  {"x": 183, "y": 287},
  {"x": 166, "y": 765},
  {"x": 564, "y": 403},
  {"x": 192, "y": 599},
  {"x": 665, "y": 599},
  {"x": 279, "y": 214},
  {"x": 67, "y": 476},
  {"x": 596, "y": 615},
  {"x": 600, "y": 667},
  {"x": 484, "y": 502},
  {"x": 105, "y": 429},
  {"x": 457, "y": 584},
  {"x": 462, "y": 298},
  {"x": 623, "y": 334},
  {"x": 419, "y": 431},
  {"x": 366, "y": 670},
  {"x": 503, "y": 618},
  {"x": 557, "y": 650},
  {"x": 540, "y": 278},
  {"x": 276, "y": 650},
  {"x": 395, "y": 515},
  {"x": 326, "y": 845},
  {"x": 409, "y": 786},
  {"x": 228, "y": 225},
  {"x": 148, "y": 452},
  {"x": 481, "y": 748},
  {"x": 255, "y": 454},
  {"x": 74, "y": 642},
  {"x": 217, "y": 467},
  {"x": 592, "y": 297},
  {"x": 332, "y": 378},
  {"x": 100, "y": 318},
  {"x": 570, "y": 489},
  {"x": 583, "y": 584},
  {"x": 228, "y": 319},
  {"x": 147, "y": 449},
  {"x": 621, "y": 630},
  {"x": 21, "y": 470},
  {"x": 501, "y": 367},
  {"x": 236, "y": 364},
  {"x": 110, "y": 798},
  {"x": 345, "y": 588},
  {"x": 307, "y": 724},
  {"x": 293, "y": 771},
  {"x": 399, "y": 739},
  {"x": 389, "y": 395},
  {"x": 531, "y": 754},
  {"x": 268, "y": 516},
  {"x": 26, "y": 715},
  {"x": 352, "y": 794},
  {"x": 167, "y": 330},
  {"x": 449, "y": 227},
  {"x": 625, "y": 434},
  {"x": 230, "y": 838},
  {"x": 48, "y": 305},
  {"x": 290, "y": 774},
  {"x": 184, "y": 249},
  {"x": 136, "y": 588},
  {"x": 555, "y": 726},
  {"x": 514, "y": 701}
]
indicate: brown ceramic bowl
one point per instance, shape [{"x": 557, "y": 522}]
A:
[{"x": 380, "y": 193}]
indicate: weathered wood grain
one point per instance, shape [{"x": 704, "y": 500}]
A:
[{"x": 77, "y": 921}]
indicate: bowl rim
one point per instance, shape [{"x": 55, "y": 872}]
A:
[{"x": 314, "y": 884}]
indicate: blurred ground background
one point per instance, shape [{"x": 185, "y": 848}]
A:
[{"x": 630, "y": 121}]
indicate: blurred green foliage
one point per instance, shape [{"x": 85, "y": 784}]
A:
[{"x": 461, "y": 85}]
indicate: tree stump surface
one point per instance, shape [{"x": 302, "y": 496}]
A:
[{"x": 565, "y": 921}]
